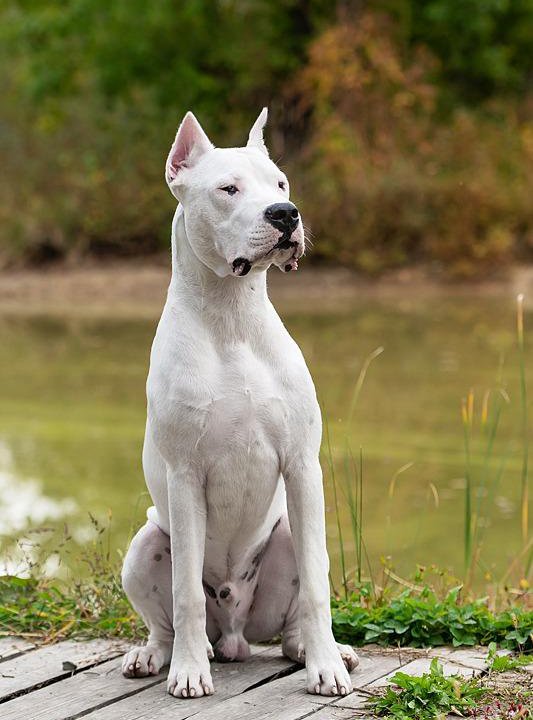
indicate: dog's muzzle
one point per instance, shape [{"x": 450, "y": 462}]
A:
[{"x": 285, "y": 218}]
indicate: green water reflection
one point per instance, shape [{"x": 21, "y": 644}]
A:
[{"x": 72, "y": 411}]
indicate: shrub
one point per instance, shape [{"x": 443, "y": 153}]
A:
[{"x": 387, "y": 180}]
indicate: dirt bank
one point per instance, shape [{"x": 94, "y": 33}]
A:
[{"x": 137, "y": 288}]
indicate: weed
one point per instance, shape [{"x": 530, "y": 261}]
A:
[
  {"x": 484, "y": 486},
  {"x": 353, "y": 485},
  {"x": 433, "y": 695},
  {"x": 489, "y": 479},
  {"x": 503, "y": 663}
]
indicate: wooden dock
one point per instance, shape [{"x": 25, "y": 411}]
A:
[{"x": 71, "y": 680}]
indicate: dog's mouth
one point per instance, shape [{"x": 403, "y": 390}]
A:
[{"x": 241, "y": 266}]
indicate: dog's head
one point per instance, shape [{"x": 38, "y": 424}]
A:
[{"x": 237, "y": 212}]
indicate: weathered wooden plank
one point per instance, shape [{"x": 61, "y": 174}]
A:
[
  {"x": 229, "y": 679},
  {"x": 332, "y": 712},
  {"x": 11, "y": 646},
  {"x": 462, "y": 661},
  {"x": 474, "y": 658},
  {"x": 281, "y": 699},
  {"x": 52, "y": 662},
  {"x": 74, "y": 696},
  {"x": 90, "y": 691},
  {"x": 287, "y": 699},
  {"x": 244, "y": 691}
]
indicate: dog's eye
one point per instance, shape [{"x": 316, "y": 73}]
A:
[
  {"x": 282, "y": 185},
  {"x": 230, "y": 189}
]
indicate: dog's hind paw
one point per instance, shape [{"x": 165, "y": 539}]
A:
[
  {"x": 293, "y": 648},
  {"x": 143, "y": 661},
  {"x": 349, "y": 656}
]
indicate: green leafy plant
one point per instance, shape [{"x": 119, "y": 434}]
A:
[
  {"x": 430, "y": 696},
  {"x": 424, "y": 621}
]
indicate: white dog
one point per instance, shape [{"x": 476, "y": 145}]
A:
[{"x": 232, "y": 438}]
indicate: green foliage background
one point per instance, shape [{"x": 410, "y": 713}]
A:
[{"x": 406, "y": 125}]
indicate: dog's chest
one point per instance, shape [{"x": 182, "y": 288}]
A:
[
  {"x": 231, "y": 404},
  {"x": 243, "y": 408}
]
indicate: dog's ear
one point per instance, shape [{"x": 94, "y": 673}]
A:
[
  {"x": 190, "y": 144},
  {"x": 255, "y": 138}
]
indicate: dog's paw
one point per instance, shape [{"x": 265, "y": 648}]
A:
[
  {"x": 327, "y": 674},
  {"x": 349, "y": 656},
  {"x": 190, "y": 679},
  {"x": 142, "y": 661},
  {"x": 294, "y": 649}
]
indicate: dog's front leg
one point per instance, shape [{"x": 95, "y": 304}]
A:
[
  {"x": 189, "y": 674},
  {"x": 326, "y": 673}
]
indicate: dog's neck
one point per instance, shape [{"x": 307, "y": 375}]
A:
[{"x": 230, "y": 307}]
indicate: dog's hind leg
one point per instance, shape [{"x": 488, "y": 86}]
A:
[
  {"x": 292, "y": 645},
  {"x": 275, "y": 607},
  {"x": 147, "y": 581}
]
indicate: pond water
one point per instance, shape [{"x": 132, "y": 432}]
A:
[{"x": 72, "y": 411}]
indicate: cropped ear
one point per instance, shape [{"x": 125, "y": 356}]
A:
[
  {"x": 255, "y": 138},
  {"x": 190, "y": 144}
]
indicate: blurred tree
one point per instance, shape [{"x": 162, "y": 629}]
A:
[
  {"x": 485, "y": 46},
  {"x": 387, "y": 180},
  {"x": 93, "y": 91},
  {"x": 179, "y": 54}
]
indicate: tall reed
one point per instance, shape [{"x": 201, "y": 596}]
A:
[
  {"x": 524, "y": 418},
  {"x": 483, "y": 473},
  {"x": 342, "y": 552},
  {"x": 485, "y": 484},
  {"x": 480, "y": 486},
  {"x": 467, "y": 413},
  {"x": 352, "y": 487}
]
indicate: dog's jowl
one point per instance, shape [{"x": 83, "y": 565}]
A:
[{"x": 234, "y": 549}]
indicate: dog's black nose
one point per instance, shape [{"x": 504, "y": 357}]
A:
[{"x": 283, "y": 216}]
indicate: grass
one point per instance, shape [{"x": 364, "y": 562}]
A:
[
  {"x": 523, "y": 406},
  {"x": 93, "y": 605},
  {"x": 490, "y": 477},
  {"x": 46, "y": 610}
]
